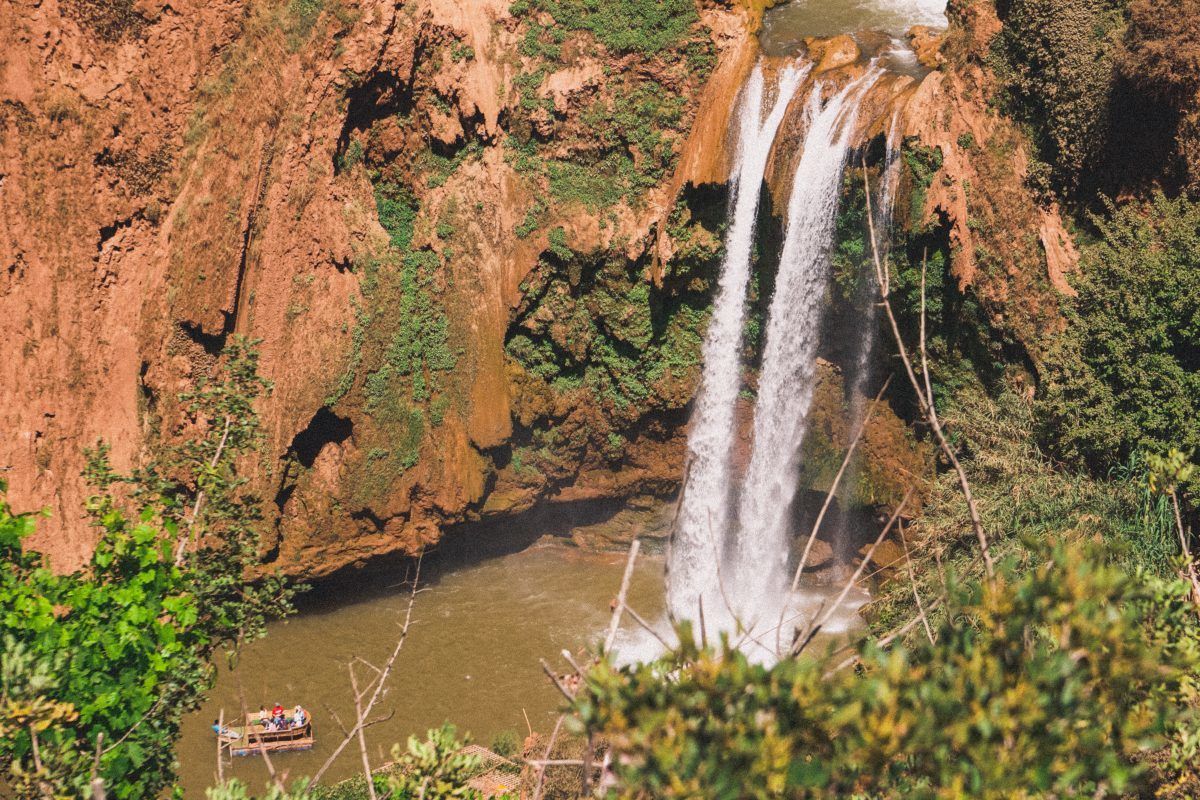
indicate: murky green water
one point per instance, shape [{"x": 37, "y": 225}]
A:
[{"x": 471, "y": 656}]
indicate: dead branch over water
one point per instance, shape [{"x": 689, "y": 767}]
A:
[{"x": 924, "y": 389}]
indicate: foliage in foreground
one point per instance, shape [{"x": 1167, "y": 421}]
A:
[
  {"x": 122, "y": 649},
  {"x": 433, "y": 769},
  {"x": 1049, "y": 682}
]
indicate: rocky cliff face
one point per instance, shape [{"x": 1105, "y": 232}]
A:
[
  {"x": 443, "y": 220},
  {"x": 477, "y": 242}
]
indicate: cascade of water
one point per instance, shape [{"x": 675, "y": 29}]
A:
[
  {"x": 867, "y": 296},
  {"x": 697, "y": 549},
  {"x": 786, "y": 379},
  {"x": 860, "y": 374}
]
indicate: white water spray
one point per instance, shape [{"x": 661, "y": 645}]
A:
[
  {"x": 789, "y": 356},
  {"x": 697, "y": 551}
]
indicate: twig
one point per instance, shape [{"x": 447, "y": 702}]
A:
[
  {"x": 908, "y": 626},
  {"x": 127, "y": 733},
  {"x": 537, "y": 789},
  {"x": 925, "y": 401},
  {"x": 833, "y": 487},
  {"x": 181, "y": 548},
  {"x": 1187, "y": 552},
  {"x": 97, "y": 784},
  {"x": 362, "y": 739},
  {"x": 37, "y": 756},
  {"x": 615, "y": 623},
  {"x": 803, "y": 642},
  {"x": 912, "y": 579},
  {"x": 220, "y": 759},
  {"x": 888, "y": 639},
  {"x": 570, "y": 659},
  {"x": 557, "y": 683},
  {"x": 646, "y": 625},
  {"x": 379, "y": 683},
  {"x": 687, "y": 476}
]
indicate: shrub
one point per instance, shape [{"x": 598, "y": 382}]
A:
[
  {"x": 1125, "y": 377},
  {"x": 1046, "y": 683},
  {"x": 506, "y": 743}
]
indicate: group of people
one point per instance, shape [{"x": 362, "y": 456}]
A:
[{"x": 279, "y": 720}]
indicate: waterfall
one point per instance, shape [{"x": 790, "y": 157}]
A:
[
  {"x": 860, "y": 374},
  {"x": 729, "y": 549},
  {"x": 698, "y": 550},
  {"x": 789, "y": 356}
]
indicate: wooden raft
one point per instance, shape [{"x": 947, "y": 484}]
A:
[{"x": 253, "y": 738}]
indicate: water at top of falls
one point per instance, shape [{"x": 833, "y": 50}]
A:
[
  {"x": 704, "y": 511},
  {"x": 787, "y": 25},
  {"x": 789, "y": 355}
]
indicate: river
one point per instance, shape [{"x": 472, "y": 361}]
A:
[{"x": 480, "y": 626}]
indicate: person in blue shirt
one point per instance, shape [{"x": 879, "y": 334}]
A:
[{"x": 225, "y": 731}]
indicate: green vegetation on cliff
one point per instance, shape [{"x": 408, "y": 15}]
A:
[
  {"x": 633, "y": 125},
  {"x": 622, "y": 26},
  {"x": 401, "y": 346},
  {"x": 1125, "y": 378},
  {"x": 594, "y": 328},
  {"x": 1056, "y": 60}
]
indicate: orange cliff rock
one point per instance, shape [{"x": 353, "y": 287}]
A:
[
  {"x": 169, "y": 177},
  {"x": 1012, "y": 251}
]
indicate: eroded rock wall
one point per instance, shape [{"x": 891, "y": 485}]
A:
[{"x": 373, "y": 190}]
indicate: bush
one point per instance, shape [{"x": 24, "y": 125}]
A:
[
  {"x": 506, "y": 743},
  {"x": 1125, "y": 377},
  {"x": 1047, "y": 683}
]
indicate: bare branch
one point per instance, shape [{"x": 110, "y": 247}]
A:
[
  {"x": 912, "y": 579},
  {"x": 814, "y": 628},
  {"x": 558, "y": 684},
  {"x": 221, "y": 758},
  {"x": 646, "y": 625},
  {"x": 833, "y": 487},
  {"x": 135, "y": 725},
  {"x": 97, "y": 783},
  {"x": 615, "y": 623},
  {"x": 362, "y": 739},
  {"x": 379, "y": 683},
  {"x": 1190, "y": 564},
  {"x": 537, "y": 789},
  {"x": 687, "y": 476},
  {"x": 925, "y": 400},
  {"x": 186, "y": 538}
]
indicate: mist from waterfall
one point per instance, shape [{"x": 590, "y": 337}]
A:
[{"x": 698, "y": 551}]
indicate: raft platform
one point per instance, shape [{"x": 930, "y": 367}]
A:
[{"x": 253, "y": 738}]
